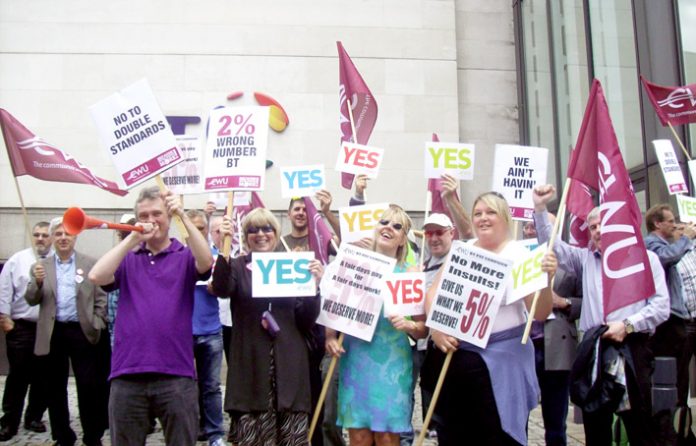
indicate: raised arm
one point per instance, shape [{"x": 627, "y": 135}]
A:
[{"x": 449, "y": 195}]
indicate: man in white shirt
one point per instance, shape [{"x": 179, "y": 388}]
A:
[{"x": 18, "y": 321}]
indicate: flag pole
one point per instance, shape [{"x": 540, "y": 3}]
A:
[
  {"x": 355, "y": 134},
  {"x": 24, "y": 212},
  {"x": 681, "y": 144},
  {"x": 436, "y": 395},
  {"x": 227, "y": 242},
  {"x": 324, "y": 389},
  {"x": 535, "y": 300},
  {"x": 177, "y": 220}
]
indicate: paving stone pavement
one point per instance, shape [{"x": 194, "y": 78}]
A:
[{"x": 576, "y": 436}]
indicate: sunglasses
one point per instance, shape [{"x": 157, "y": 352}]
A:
[
  {"x": 396, "y": 226},
  {"x": 437, "y": 232},
  {"x": 255, "y": 229}
]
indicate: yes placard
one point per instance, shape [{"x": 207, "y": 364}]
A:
[
  {"x": 359, "y": 159},
  {"x": 451, "y": 158},
  {"x": 282, "y": 274},
  {"x": 358, "y": 222},
  {"x": 404, "y": 294},
  {"x": 687, "y": 208},
  {"x": 301, "y": 181},
  {"x": 527, "y": 275}
]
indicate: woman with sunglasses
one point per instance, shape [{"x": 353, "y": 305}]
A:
[
  {"x": 488, "y": 393},
  {"x": 375, "y": 379},
  {"x": 268, "y": 391}
]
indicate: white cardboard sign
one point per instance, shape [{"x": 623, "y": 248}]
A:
[
  {"x": 527, "y": 276},
  {"x": 135, "y": 133},
  {"x": 518, "y": 169},
  {"x": 404, "y": 294},
  {"x": 358, "y": 222},
  {"x": 186, "y": 177},
  {"x": 235, "y": 155},
  {"x": 451, "y": 158},
  {"x": 470, "y": 293},
  {"x": 352, "y": 289},
  {"x": 301, "y": 181},
  {"x": 670, "y": 166},
  {"x": 687, "y": 208},
  {"x": 282, "y": 274},
  {"x": 359, "y": 159}
]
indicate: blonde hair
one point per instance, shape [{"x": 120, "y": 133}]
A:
[
  {"x": 260, "y": 217},
  {"x": 396, "y": 214},
  {"x": 498, "y": 203}
]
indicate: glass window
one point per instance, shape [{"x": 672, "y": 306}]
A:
[
  {"x": 614, "y": 54},
  {"x": 687, "y": 18}
]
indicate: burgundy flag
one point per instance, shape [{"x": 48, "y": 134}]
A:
[
  {"x": 675, "y": 105},
  {"x": 579, "y": 204},
  {"x": 597, "y": 162},
  {"x": 31, "y": 155},
  {"x": 318, "y": 234},
  {"x": 351, "y": 86},
  {"x": 238, "y": 214}
]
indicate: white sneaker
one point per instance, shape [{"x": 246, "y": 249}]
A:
[{"x": 218, "y": 442}]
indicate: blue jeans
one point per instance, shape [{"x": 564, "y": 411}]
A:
[{"x": 207, "y": 349}]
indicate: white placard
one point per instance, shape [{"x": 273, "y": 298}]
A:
[
  {"x": 301, "y": 181},
  {"x": 527, "y": 276},
  {"x": 692, "y": 170},
  {"x": 358, "y": 222},
  {"x": 282, "y": 274},
  {"x": 687, "y": 208},
  {"x": 404, "y": 294},
  {"x": 451, "y": 158},
  {"x": 351, "y": 291},
  {"x": 359, "y": 159},
  {"x": 235, "y": 155},
  {"x": 517, "y": 170},
  {"x": 470, "y": 293},
  {"x": 186, "y": 177},
  {"x": 135, "y": 133},
  {"x": 670, "y": 166}
]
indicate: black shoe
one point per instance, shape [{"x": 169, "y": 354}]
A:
[
  {"x": 35, "y": 426},
  {"x": 7, "y": 433}
]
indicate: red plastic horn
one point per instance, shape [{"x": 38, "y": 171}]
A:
[{"x": 75, "y": 221}]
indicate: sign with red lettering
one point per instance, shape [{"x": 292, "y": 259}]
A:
[
  {"x": 136, "y": 134},
  {"x": 469, "y": 294},
  {"x": 358, "y": 222},
  {"x": 359, "y": 159},
  {"x": 352, "y": 289},
  {"x": 235, "y": 156},
  {"x": 404, "y": 294}
]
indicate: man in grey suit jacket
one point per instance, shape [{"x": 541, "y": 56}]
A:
[{"x": 71, "y": 325}]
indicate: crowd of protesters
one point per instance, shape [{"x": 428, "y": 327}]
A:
[{"x": 168, "y": 335}]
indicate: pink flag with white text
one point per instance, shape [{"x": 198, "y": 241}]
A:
[
  {"x": 318, "y": 233},
  {"x": 31, "y": 155},
  {"x": 352, "y": 87},
  {"x": 675, "y": 105},
  {"x": 579, "y": 204},
  {"x": 597, "y": 162}
]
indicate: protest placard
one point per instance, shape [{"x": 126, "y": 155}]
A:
[
  {"x": 527, "y": 275},
  {"x": 359, "y": 159},
  {"x": 669, "y": 163},
  {"x": 351, "y": 291},
  {"x": 692, "y": 169},
  {"x": 470, "y": 292},
  {"x": 687, "y": 208},
  {"x": 235, "y": 155},
  {"x": 517, "y": 170},
  {"x": 301, "y": 181},
  {"x": 404, "y": 294},
  {"x": 135, "y": 133},
  {"x": 451, "y": 158},
  {"x": 185, "y": 178},
  {"x": 282, "y": 274},
  {"x": 359, "y": 221}
]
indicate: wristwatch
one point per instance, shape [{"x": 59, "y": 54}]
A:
[{"x": 629, "y": 326}]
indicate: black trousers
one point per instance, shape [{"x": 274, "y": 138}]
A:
[
  {"x": 23, "y": 375},
  {"x": 641, "y": 428},
  {"x": 91, "y": 368}
]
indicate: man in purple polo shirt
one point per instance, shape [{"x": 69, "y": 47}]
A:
[{"x": 152, "y": 367}]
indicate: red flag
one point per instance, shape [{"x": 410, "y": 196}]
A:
[
  {"x": 31, "y": 155},
  {"x": 318, "y": 234},
  {"x": 238, "y": 214},
  {"x": 351, "y": 86},
  {"x": 597, "y": 162},
  {"x": 579, "y": 204},
  {"x": 675, "y": 105}
]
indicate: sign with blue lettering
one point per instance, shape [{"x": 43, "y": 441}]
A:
[
  {"x": 301, "y": 181},
  {"x": 282, "y": 274}
]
